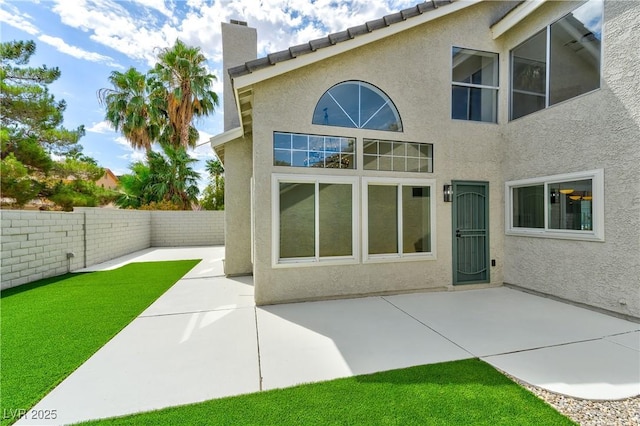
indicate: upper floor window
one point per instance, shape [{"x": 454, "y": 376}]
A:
[
  {"x": 558, "y": 63},
  {"x": 474, "y": 85},
  {"x": 359, "y": 105}
]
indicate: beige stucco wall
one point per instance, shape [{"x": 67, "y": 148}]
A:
[
  {"x": 414, "y": 69},
  {"x": 599, "y": 130},
  {"x": 237, "y": 206}
]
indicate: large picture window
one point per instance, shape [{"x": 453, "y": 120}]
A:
[
  {"x": 359, "y": 105},
  {"x": 474, "y": 91},
  {"x": 314, "y": 219},
  {"x": 558, "y": 63},
  {"x": 399, "y": 219},
  {"x": 561, "y": 206}
]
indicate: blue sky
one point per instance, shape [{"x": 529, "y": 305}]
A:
[{"x": 88, "y": 39}]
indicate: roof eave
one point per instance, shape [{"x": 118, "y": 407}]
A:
[
  {"x": 284, "y": 67},
  {"x": 219, "y": 141},
  {"x": 514, "y": 17},
  {"x": 226, "y": 137}
]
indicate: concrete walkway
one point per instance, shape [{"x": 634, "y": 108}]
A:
[{"x": 204, "y": 338}]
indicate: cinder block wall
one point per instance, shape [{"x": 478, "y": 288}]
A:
[
  {"x": 35, "y": 245},
  {"x": 197, "y": 228},
  {"x": 112, "y": 233}
]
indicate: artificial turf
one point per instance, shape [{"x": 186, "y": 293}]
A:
[
  {"x": 50, "y": 327},
  {"x": 468, "y": 392}
]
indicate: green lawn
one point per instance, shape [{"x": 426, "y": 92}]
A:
[
  {"x": 468, "y": 392},
  {"x": 50, "y": 327}
]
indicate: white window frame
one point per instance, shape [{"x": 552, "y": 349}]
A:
[
  {"x": 546, "y": 94},
  {"x": 316, "y": 260},
  {"x": 477, "y": 86},
  {"x": 400, "y": 256},
  {"x": 597, "y": 182}
]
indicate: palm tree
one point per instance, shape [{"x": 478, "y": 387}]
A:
[
  {"x": 160, "y": 106},
  {"x": 214, "y": 168},
  {"x": 181, "y": 77},
  {"x": 173, "y": 178},
  {"x": 134, "y": 187},
  {"x": 213, "y": 194},
  {"x": 130, "y": 110}
]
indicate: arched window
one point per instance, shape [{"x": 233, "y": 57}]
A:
[{"x": 359, "y": 105}]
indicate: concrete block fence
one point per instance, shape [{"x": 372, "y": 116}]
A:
[{"x": 38, "y": 245}]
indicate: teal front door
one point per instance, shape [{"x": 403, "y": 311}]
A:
[{"x": 470, "y": 232}]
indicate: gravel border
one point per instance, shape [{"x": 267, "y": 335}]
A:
[{"x": 585, "y": 412}]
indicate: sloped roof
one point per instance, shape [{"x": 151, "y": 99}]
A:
[{"x": 335, "y": 38}]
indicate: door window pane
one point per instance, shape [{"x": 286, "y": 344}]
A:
[
  {"x": 336, "y": 221},
  {"x": 383, "y": 219},
  {"x": 297, "y": 220},
  {"x": 575, "y": 48},
  {"x": 416, "y": 219},
  {"x": 528, "y": 207}
]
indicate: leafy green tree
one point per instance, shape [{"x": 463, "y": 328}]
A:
[
  {"x": 213, "y": 193},
  {"x": 15, "y": 182},
  {"x": 72, "y": 184},
  {"x": 31, "y": 131},
  {"x": 28, "y": 110},
  {"x": 84, "y": 169}
]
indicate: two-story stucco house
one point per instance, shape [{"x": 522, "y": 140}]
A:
[{"x": 452, "y": 145}]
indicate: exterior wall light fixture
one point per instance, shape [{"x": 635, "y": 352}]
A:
[{"x": 448, "y": 193}]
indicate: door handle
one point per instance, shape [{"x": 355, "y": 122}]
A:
[{"x": 458, "y": 233}]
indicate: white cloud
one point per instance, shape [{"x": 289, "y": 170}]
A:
[
  {"x": 124, "y": 143},
  {"x": 22, "y": 21},
  {"x": 156, "y": 5},
  {"x": 77, "y": 52},
  {"x": 134, "y": 156},
  {"x": 131, "y": 155},
  {"x": 100, "y": 127}
]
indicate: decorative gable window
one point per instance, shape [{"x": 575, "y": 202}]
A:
[
  {"x": 474, "y": 85},
  {"x": 359, "y": 105},
  {"x": 558, "y": 63}
]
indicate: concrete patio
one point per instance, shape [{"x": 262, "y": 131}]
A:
[{"x": 205, "y": 338}]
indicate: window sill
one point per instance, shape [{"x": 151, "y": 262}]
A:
[
  {"x": 302, "y": 262},
  {"x": 390, "y": 258},
  {"x": 568, "y": 235}
]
